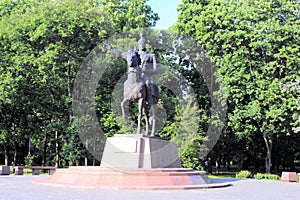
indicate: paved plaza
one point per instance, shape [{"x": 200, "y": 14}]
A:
[{"x": 22, "y": 188}]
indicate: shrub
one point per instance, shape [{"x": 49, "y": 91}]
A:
[
  {"x": 29, "y": 160},
  {"x": 260, "y": 176},
  {"x": 244, "y": 174}
]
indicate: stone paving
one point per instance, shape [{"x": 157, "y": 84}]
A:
[{"x": 22, "y": 188}]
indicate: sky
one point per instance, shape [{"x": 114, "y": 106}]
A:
[{"x": 166, "y": 10}]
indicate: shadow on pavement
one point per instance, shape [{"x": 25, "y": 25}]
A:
[{"x": 224, "y": 180}]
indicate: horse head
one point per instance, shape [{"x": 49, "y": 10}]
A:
[{"x": 133, "y": 59}]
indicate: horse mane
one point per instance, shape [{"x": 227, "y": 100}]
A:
[{"x": 134, "y": 53}]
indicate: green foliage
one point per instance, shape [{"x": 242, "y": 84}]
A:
[
  {"x": 43, "y": 43},
  {"x": 260, "y": 176},
  {"x": 255, "y": 45},
  {"x": 29, "y": 160},
  {"x": 189, "y": 136},
  {"x": 295, "y": 87},
  {"x": 244, "y": 174}
]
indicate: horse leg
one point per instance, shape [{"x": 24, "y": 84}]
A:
[
  {"x": 141, "y": 102},
  {"x": 146, "y": 110},
  {"x": 153, "y": 119},
  {"x": 147, "y": 122},
  {"x": 124, "y": 104}
]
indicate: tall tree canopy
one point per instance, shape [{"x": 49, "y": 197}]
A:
[
  {"x": 255, "y": 45},
  {"x": 42, "y": 44}
]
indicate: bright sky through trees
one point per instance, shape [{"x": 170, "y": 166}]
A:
[{"x": 167, "y": 11}]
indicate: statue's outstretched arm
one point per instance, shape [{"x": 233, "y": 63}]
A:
[{"x": 117, "y": 52}]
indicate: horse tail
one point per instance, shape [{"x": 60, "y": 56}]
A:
[{"x": 155, "y": 92}]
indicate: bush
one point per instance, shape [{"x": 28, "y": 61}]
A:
[
  {"x": 29, "y": 160},
  {"x": 244, "y": 174},
  {"x": 260, "y": 176}
]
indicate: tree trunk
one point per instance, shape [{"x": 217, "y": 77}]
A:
[
  {"x": 85, "y": 157},
  {"x": 70, "y": 111},
  {"x": 269, "y": 145},
  {"x": 56, "y": 149},
  {"x": 45, "y": 150},
  {"x": 15, "y": 157},
  {"x": 5, "y": 156}
]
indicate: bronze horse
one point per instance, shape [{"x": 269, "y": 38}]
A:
[{"x": 136, "y": 90}]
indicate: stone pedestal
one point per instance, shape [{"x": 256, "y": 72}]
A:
[
  {"x": 135, "y": 179},
  {"x": 139, "y": 152},
  {"x": 134, "y": 162}
]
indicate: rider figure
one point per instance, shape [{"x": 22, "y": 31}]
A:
[{"x": 149, "y": 66}]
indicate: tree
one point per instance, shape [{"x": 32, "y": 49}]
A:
[
  {"x": 42, "y": 46},
  {"x": 255, "y": 45}
]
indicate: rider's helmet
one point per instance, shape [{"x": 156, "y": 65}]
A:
[{"x": 142, "y": 43}]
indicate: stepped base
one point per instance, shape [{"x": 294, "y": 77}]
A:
[{"x": 132, "y": 179}]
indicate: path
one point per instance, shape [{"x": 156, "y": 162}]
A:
[{"x": 22, "y": 188}]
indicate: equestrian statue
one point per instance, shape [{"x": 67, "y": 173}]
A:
[{"x": 138, "y": 86}]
